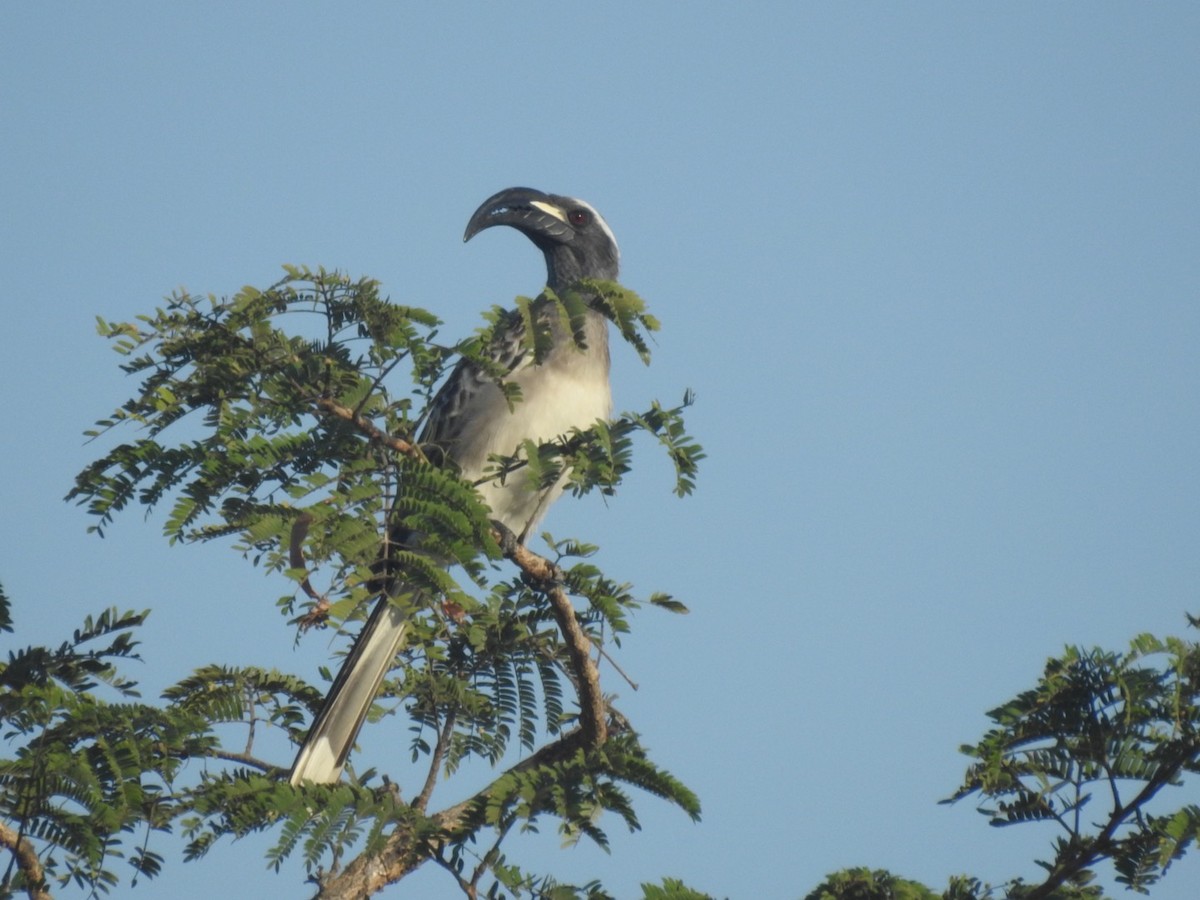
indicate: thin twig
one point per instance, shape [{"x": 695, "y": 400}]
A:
[
  {"x": 1103, "y": 846},
  {"x": 493, "y": 853},
  {"x": 612, "y": 662},
  {"x": 435, "y": 764},
  {"x": 245, "y": 759},
  {"x": 445, "y": 864},
  {"x": 367, "y": 427}
]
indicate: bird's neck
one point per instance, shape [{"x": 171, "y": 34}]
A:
[{"x": 564, "y": 268}]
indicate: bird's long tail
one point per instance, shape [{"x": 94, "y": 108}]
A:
[{"x": 336, "y": 726}]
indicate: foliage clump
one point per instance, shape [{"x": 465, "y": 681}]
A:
[
  {"x": 273, "y": 419},
  {"x": 284, "y": 419}
]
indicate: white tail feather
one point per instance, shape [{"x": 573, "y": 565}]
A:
[{"x": 334, "y": 730}]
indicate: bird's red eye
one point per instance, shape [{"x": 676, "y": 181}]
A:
[{"x": 578, "y": 216}]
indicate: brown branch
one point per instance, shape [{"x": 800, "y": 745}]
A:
[
  {"x": 612, "y": 662},
  {"x": 538, "y": 568},
  {"x": 406, "y": 850},
  {"x": 296, "y": 553},
  {"x": 593, "y": 712},
  {"x": 462, "y": 818},
  {"x": 435, "y": 764},
  {"x": 1086, "y": 853},
  {"x": 27, "y": 862},
  {"x": 592, "y": 709},
  {"x": 296, "y": 560},
  {"x": 246, "y": 759},
  {"x": 488, "y": 860},
  {"x": 367, "y": 427},
  {"x": 369, "y": 873}
]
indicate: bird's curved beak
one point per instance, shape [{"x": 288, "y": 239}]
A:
[{"x": 525, "y": 209}]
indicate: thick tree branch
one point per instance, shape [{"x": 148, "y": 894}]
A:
[
  {"x": 404, "y": 852},
  {"x": 460, "y": 819},
  {"x": 593, "y": 714},
  {"x": 27, "y": 862},
  {"x": 369, "y": 873}
]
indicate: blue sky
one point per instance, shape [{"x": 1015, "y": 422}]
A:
[{"x": 931, "y": 270}]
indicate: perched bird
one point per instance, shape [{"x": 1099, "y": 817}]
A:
[{"x": 470, "y": 420}]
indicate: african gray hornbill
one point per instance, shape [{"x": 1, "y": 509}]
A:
[{"x": 471, "y": 419}]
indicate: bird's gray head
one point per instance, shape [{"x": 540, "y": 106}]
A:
[{"x": 574, "y": 238}]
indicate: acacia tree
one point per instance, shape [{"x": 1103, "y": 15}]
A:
[
  {"x": 92, "y": 779},
  {"x": 302, "y": 458},
  {"x": 1093, "y": 751},
  {"x": 282, "y": 420}
]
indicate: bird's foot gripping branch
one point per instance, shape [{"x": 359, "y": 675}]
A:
[{"x": 292, "y": 421}]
